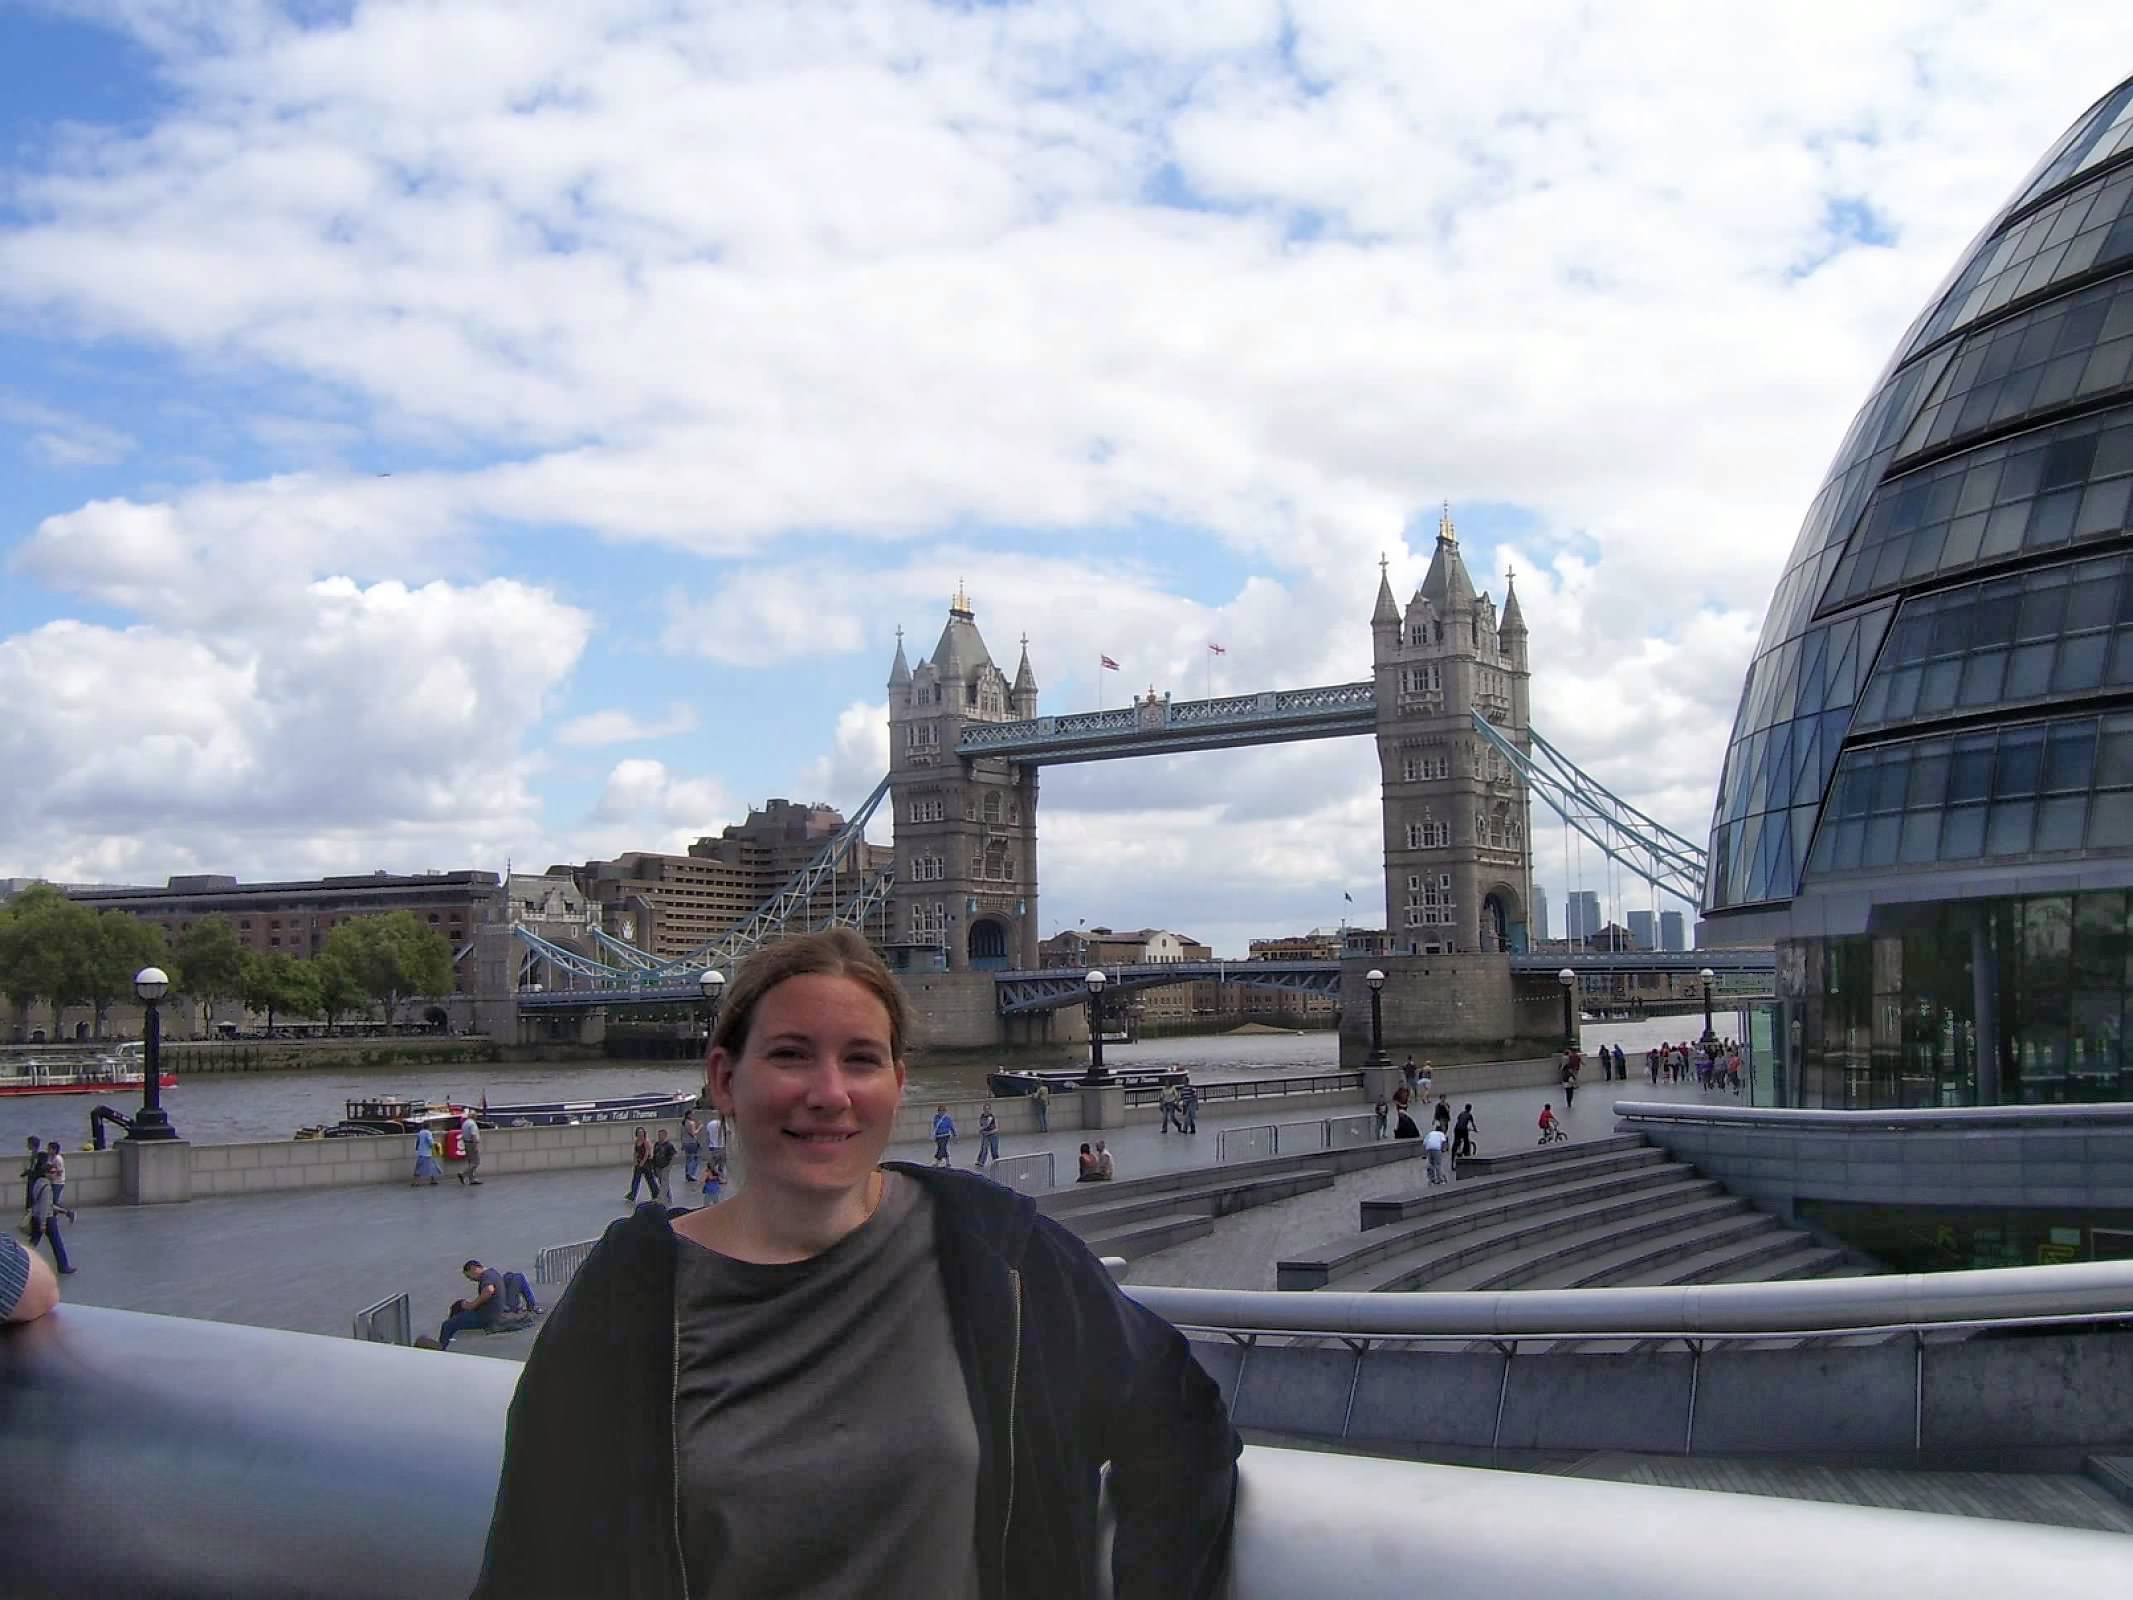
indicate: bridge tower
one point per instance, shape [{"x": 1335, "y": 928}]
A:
[
  {"x": 965, "y": 830},
  {"x": 1458, "y": 834}
]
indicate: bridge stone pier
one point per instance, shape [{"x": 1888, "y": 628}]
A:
[{"x": 1451, "y": 1009}]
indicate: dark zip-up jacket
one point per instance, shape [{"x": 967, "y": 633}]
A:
[{"x": 1064, "y": 1374}]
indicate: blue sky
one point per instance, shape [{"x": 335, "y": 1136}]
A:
[{"x": 431, "y": 435}]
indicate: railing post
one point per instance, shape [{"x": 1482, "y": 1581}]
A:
[{"x": 1688, "y": 1443}]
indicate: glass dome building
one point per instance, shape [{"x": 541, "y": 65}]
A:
[{"x": 1927, "y": 800}]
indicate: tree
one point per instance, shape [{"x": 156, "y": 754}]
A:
[
  {"x": 339, "y": 989},
  {"x": 279, "y": 984},
  {"x": 120, "y": 945},
  {"x": 210, "y": 963},
  {"x": 392, "y": 957},
  {"x": 47, "y": 948}
]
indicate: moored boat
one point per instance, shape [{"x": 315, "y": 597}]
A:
[
  {"x": 1007, "y": 1084},
  {"x": 385, "y": 1114},
  {"x": 122, "y": 1068}
]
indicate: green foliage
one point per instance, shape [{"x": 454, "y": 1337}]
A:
[
  {"x": 123, "y": 945},
  {"x": 280, "y": 985},
  {"x": 54, "y": 950},
  {"x": 210, "y": 962},
  {"x": 391, "y": 957},
  {"x": 340, "y": 991}
]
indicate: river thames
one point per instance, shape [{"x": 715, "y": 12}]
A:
[{"x": 225, "y": 1108}]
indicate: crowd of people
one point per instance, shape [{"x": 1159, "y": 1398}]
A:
[{"x": 1715, "y": 1064}]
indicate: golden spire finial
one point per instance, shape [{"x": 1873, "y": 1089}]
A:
[
  {"x": 961, "y": 602},
  {"x": 1384, "y": 563},
  {"x": 1444, "y": 525}
]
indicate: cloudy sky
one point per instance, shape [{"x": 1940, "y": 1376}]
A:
[{"x": 432, "y": 433}]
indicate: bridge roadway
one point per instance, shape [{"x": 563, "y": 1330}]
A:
[{"x": 1046, "y": 988}]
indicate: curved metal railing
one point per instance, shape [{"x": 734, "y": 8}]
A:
[
  {"x": 254, "y": 1463},
  {"x": 2088, "y": 1292},
  {"x": 1924, "y": 1119}
]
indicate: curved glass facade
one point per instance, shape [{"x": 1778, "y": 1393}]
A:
[
  {"x": 2000, "y": 439},
  {"x": 1927, "y": 800}
]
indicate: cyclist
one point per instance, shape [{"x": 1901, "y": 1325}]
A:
[{"x": 1549, "y": 1125}]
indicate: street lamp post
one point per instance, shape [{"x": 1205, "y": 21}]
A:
[
  {"x": 1707, "y": 975},
  {"x": 1096, "y": 981},
  {"x": 713, "y": 984},
  {"x": 1569, "y": 981},
  {"x": 1376, "y": 980},
  {"x": 150, "y": 984}
]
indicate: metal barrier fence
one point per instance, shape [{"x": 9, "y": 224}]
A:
[
  {"x": 1030, "y": 1174},
  {"x": 1247, "y": 1144},
  {"x": 559, "y": 1263},
  {"x": 1259, "y": 1088},
  {"x": 390, "y": 1321},
  {"x": 1345, "y": 1133}
]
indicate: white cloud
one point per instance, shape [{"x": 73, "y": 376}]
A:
[
  {"x": 646, "y": 806},
  {"x": 621, "y": 726},
  {"x": 731, "y": 278},
  {"x": 61, "y": 439}
]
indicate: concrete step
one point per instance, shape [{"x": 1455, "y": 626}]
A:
[
  {"x": 1465, "y": 1208},
  {"x": 2114, "y": 1474},
  {"x": 1143, "y": 1236},
  {"x": 1518, "y": 1267},
  {"x": 1385, "y": 1210},
  {"x": 1665, "y": 1257},
  {"x": 1758, "y": 1256},
  {"x": 1499, "y": 1256},
  {"x": 1544, "y": 1155},
  {"x": 1803, "y": 1258},
  {"x": 1063, "y": 1202},
  {"x": 1216, "y": 1199}
]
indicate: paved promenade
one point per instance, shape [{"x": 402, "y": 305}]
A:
[{"x": 308, "y": 1260}]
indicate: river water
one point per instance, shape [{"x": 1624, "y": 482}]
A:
[{"x": 224, "y": 1108}]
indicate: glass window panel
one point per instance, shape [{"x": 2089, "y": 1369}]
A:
[
  {"x": 2114, "y": 753},
  {"x": 2019, "y": 478},
  {"x": 2009, "y": 829},
  {"x": 1994, "y": 618},
  {"x": 2021, "y": 763},
  {"x": 2067, "y": 461},
  {"x": 2103, "y": 508},
  {"x": 1903, "y": 692},
  {"x": 2122, "y": 656},
  {"x": 1981, "y": 487},
  {"x": 1891, "y": 779},
  {"x": 2029, "y": 671},
  {"x": 1929, "y": 777},
  {"x": 1962, "y": 834},
  {"x": 1921, "y": 838},
  {"x": 1936, "y": 690},
  {"x": 1965, "y": 538},
  {"x": 1970, "y": 776},
  {"x": 2111, "y": 820},
  {"x": 2041, "y": 613},
  {"x": 1982, "y": 675},
  {"x": 2059, "y": 822},
  {"x": 2080, "y": 662},
  {"x": 2070, "y": 757},
  {"x": 1844, "y": 856},
  {"x": 1882, "y": 837},
  {"x": 2051, "y": 519},
  {"x": 2100, "y": 937},
  {"x": 2004, "y": 530},
  {"x": 2092, "y": 600},
  {"x": 1874, "y": 703}
]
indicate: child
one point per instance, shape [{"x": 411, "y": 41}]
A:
[{"x": 714, "y": 1178}]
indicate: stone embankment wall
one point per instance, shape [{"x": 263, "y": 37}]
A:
[
  {"x": 264, "y": 1165},
  {"x": 1452, "y": 1008}
]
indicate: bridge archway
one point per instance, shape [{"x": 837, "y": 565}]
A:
[
  {"x": 1503, "y": 919},
  {"x": 986, "y": 945}
]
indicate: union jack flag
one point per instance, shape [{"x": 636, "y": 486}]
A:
[
  {"x": 1109, "y": 664},
  {"x": 1217, "y": 649}
]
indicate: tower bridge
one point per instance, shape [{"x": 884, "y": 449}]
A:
[{"x": 1459, "y": 763}]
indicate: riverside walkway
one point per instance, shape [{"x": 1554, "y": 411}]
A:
[{"x": 307, "y": 1260}]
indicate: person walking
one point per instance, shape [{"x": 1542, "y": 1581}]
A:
[
  {"x": 1189, "y": 1109},
  {"x": 1043, "y": 1101},
  {"x": 470, "y": 1145},
  {"x": 31, "y": 1169},
  {"x": 55, "y": 1168},
  {"x": 1570, "y": 1082},
  {"x": 1621, "y": 1066},
  {"x": 1433, "y": 1144},
  {"x": 426, "y": 1168},
  {"x": 692, "y": 1147},
  {"x": 662, "y": 1163},
  {"x": 988, "y": 1134},
  {"x": 1463, "y": 1132},
  {"x": 44, "y": 1221},
  {"x": 943, "y": 1131},
  {"x": 1382, "y": 1112},
  {"x": 714, "y": 1179},
  {"x": 641, "y": 1167},
  {"x": 833, "y": 1322},
  {"x": 1442, "y": 1115},
  {"x": 1168, "y": 1100}
]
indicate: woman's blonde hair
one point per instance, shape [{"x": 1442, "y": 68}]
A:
[{"x": 836, "y": 953}]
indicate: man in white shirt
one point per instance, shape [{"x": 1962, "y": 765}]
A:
[
  {"x": 1433, "y": 1142},
  {"x": 470, "y": 1146}
]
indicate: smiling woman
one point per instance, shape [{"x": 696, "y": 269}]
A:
[{"x": 711, "y": 1378}]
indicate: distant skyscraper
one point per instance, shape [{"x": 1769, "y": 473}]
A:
[
  {"x": 1642, "y": 931},
  {"x": 1540, "y": 913},
  {"x": 1582, "y": 915},
  {"x": 1670, "y": 931}
]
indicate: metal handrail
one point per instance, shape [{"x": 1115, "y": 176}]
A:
[
  {"x": 1992, "y": 1296},
  {"x": 1257, "y": 1088},
  {"x": 1921, "y": 1119},
  {"x": 390, "y": 1321}
]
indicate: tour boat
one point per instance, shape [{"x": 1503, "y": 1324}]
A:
[
  {"x": 399, "y": 1114},
  {"x": 123, "y": 1068},
  {"x": 1058, "y": 1080}
]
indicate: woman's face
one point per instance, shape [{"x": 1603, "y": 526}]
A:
[{"x": 813, "y": 1094}]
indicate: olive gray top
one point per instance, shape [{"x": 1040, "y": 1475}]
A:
[{"x": 824, "y": 1434}]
